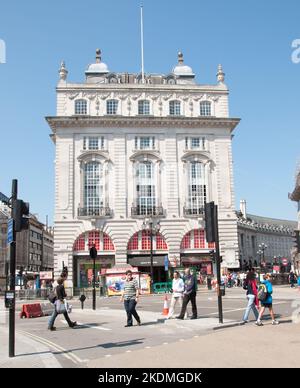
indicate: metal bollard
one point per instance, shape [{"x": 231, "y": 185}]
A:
[{"x": 82, "y": 298}]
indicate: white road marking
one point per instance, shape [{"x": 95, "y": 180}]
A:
[
  {"x": 90, "y": 326},
  {"x": 241, "y": 309},
  {"x": 108, "y": 355}
]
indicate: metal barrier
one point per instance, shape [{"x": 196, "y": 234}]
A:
[{"x": 159, "y": 288}]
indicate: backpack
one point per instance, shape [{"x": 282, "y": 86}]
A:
[
  {"x": 245, "y": 284},
  {"x": 52, "y": 296},
  {"x": 262, "y": 292}
]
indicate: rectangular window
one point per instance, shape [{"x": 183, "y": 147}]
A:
[
  {"x": 144, "y": 143},
  {"x": 143, "y": 108},
  {"x": 195, "y": 142},
  {"x": 93, "y": 143},
  {"x": 174, "y": 108},
  {"x": 111, "y": 107}
]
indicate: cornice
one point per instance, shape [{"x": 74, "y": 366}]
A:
[{"x": 56, "y": 122}]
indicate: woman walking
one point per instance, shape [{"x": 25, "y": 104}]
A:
[
  {"x": 267, "y": 302},
  {"x": 60, "y": 296},
  {"x": 251, "y": 287}
]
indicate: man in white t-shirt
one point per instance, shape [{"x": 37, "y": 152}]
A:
[{"x": 177, "y": 295}]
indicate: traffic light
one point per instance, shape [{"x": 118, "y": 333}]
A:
[
  {"x": 93, "y": 252},
  {"x": 296, "y": 239},
  {"x": 20, "y": 214},
  {"x": 210, "y": 222}
]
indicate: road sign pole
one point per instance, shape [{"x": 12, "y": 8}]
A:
[
  {"x": 12, "y": 284},
  {"x": 218, "y": 263}
]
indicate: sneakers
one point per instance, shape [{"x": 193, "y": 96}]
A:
[
  {"x": 139, "y": 323},
  {"x": 73, "y": 324},
  {"x": 259, "y": 323},
  {"x": 193, "y": 317},
  {"x": 127, "y": 325},
  {"x": 275, "y": 322},
  {"x": 245, "y": 321},
  {"x": 179, "y": 318},
  {"x": 52, "y": 328}
]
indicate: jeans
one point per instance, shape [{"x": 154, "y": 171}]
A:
[
  {"x": 53, "y": 317},
  {"x": 186, "y": 298},
  {"x": 129, "y": 305},
  {"x": 251, "y": 305}
]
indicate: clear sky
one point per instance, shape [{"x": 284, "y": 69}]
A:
[{"x": 251, "y": 38}]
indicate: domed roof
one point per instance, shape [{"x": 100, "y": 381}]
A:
[
  {"x": 98, "y": 67},
  {"x": 182, "y": 70}
]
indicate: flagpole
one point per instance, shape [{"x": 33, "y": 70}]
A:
[{"x": 142, "y": 45}]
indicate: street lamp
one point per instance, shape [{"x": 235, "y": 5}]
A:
[
  {"x": 152, "y": 227},
  {"x": 261, "y": 252}
]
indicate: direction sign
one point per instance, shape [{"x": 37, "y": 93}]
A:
[{"x": 10, "y": 232}]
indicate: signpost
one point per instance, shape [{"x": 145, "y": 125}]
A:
[
  {"x": 285, "y": 261},
  {"x": 166, "y": 262}
]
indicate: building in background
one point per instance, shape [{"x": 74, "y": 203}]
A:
[
  {"x": 34, "y": 249},
  {"x": 264, "y": 242},
  {"x": 133, "y": 151},
  {"x": 295, "y": 196}
]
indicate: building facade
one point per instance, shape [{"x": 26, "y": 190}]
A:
[
  {"x": 134, "y": 151},
  {"x": 34, "y": 247},
  {"x": 264, "y": 242},
  {"x": 295, "y": 196}
]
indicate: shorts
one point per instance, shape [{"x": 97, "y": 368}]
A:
[{"x": 269, "y": 305}]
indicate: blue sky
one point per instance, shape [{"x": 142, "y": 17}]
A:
[{"x": 252, "y": 39}]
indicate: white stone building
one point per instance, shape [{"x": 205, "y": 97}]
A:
[{"x": 129, "y": 148}]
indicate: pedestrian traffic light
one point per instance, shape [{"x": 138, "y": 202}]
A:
[
  {"x": 296, "y": 239},
  {"x": 210, "y": 222},
  {"x": 20, "y": 214}
]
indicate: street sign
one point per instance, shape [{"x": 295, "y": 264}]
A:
[
  {"x": 10, "y": 232},
  {"x": 166, "y": 263},
  {"x": 285, "y": 261}
]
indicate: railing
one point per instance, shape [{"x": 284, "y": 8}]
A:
[
  {"x": 102, "y": 211},
  {"x": 141, "y": 211},
  {"x": 193, "y": 211}
]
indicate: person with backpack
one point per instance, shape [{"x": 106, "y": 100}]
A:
[
  {"x": 251, "y": 287},
  {"x": 292, "y": 279},
  {"x": 264, "y": 295}
]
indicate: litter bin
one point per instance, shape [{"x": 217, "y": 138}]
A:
[{"x": 209, "y": 283}]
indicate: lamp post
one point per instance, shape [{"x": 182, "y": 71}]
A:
[
  {"x": 153, "y": 228},
  {"x": 261, "y": 252},
  {"x": 93, "y": 255}
]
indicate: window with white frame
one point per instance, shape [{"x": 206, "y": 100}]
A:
[
  {"x": 93, "y": 186},
  {"x": 144, "y": 107},
  {"x": 80, "y": 107},
  {"x": 93, "y": 143},
  {"x": 205, "y": 108},
  {"x": 144, "y": 142},
  {"x": 174, "y": 108},
  {"x": 195, "y": 143},
  {"x": 111, "y": 107},
  {"x": 145, "y": 188},
  {"x": 196, "y": 187}
]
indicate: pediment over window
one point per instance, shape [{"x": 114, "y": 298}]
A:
[
  {"x": 90, "y": 156},
  {"x": 143, "y": 155},
  {"x": 192, "y": 156}
]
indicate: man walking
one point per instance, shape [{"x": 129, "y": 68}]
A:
[
  {"x": 177, "y": 295},
  {"x": 189, "y": 294},
  {"x": 130, "y": 296}
]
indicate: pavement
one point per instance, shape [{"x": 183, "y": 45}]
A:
[{"x": 101, "y": 340}]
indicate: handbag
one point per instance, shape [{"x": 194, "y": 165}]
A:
[{"x": 63, "y": 307}]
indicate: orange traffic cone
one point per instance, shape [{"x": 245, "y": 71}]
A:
[{"x": 166, "y": 308}]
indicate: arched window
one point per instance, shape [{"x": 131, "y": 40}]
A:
[
  {"x": 144, "y": 107},
  {"x": 205, "y": 108},
  {"x": 93, "y": 188},
  {"x": 80, "y": 107},
  {"x": 145, "y": 189},
  {"x": 196, "y": 187},
  {"x": 174, "y": 108},
  {"x": 111, "y": 107}
]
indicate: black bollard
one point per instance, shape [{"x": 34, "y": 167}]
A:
[{"x": 82, "y": 299}]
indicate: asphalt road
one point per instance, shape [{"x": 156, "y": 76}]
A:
[{"x": 101, "y": 333}]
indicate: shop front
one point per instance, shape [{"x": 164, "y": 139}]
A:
[
  {"x": 143, "y": 263},
  {"x": 83, "y": 269},
  {"x": 201, "y": 262}
]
